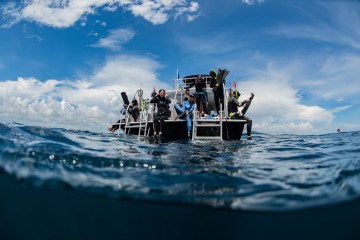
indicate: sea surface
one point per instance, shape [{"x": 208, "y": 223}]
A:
[{"x": 269, "y": 173}]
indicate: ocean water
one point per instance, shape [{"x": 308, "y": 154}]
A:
[{"x": 270, "y": 173}]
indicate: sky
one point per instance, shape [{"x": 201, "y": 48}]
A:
[{"x": 62, "y": 60}]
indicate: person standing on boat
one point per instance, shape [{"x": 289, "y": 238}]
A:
[
  {"x": 234, "y": 113},
  {"x": 186, "y": 111},
  {"x": 200, "y": 94},
  {"x": 163, "y": 113},
  {"x": 218, "y": 91}
]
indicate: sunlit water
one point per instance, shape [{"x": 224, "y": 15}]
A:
[{"x": 272, "y": 172}]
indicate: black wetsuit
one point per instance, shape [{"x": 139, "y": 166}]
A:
[
  {"x": 233, "y": 105},
  {"x": 163, "y": 112},
  {"x": 200, "y": 95},
  {"x": 134, "y": 109},
  {"x": 218, "y": 94}
]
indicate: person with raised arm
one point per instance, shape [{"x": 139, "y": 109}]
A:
[
  {"x": 234, "y": 112},
  {"x": 163, "y": 112}
]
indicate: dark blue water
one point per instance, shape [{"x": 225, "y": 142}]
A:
[{"x": 272, "y": 172}]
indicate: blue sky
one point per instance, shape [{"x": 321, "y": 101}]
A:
[{"x": 59, "y": 59}]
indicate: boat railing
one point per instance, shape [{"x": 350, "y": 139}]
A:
[
  {"x": 145, "y": 115},
  {"x": 179, "y": 82},
  {"x": 183, "y": 82}
]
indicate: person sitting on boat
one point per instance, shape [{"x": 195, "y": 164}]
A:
[
  {"x": 116, "y": 126},
  {"x": 200, "y": 94},
  {"x": 187, "y": 94},
  {"x": 163, "y": 113},
  {"x": 218, "y": 91},
  {"x": 186, "y": 97},
  {"x": 234, "y": 112},
  {"x": 134, "y": 109},
  {"x": 186, "y": 111}
]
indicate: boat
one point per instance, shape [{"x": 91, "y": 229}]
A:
[{"x": 207, "y": 127}]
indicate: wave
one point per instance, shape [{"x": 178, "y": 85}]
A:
[{"x": 271, "y": 173}]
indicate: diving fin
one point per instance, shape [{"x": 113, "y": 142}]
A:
[
  {"x": 125, "y": 98},
  {"x": 247, "y": 104}
]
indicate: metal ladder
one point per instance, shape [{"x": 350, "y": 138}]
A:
[
  {"x": 142, "y": 124},
  {"x": 199, "y": 123},
  {"x": 143, "y": 127}
]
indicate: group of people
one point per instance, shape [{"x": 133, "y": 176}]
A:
[
  {"x": 186, "y": 108},
  {"x": 201, "y": 95}
]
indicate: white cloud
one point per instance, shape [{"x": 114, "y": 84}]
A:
[
  {"x": 58, "y": 13},
  {"x": 341, "y": 109},
  {"x": 115, "y": 39},
  {"x": 251, "y": 2},
  {"x": 159, "y": 11},
  {"x": 83, "y": 104},
  {"x": 333, "y": 22},
  {"x": 309, "y": 88},
  {"x": 193, "y": 8},
  {"x": 31, "y": 100},
  {"x": 11, "y": 13},
  {"x": 149, "y": 10},
  {"x": 331, "y": 71},
  {"x": 87, "y": 102},
  {"x": 291, "y": 127},
  {"x": 333, "y": 77},
  {"x": 128, "y": 72},
  {"x": 63, "y": 14},
  {"x": 277, "y": 106}
]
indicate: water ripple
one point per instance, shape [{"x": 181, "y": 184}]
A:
[{"x": 271, "y": 173}]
